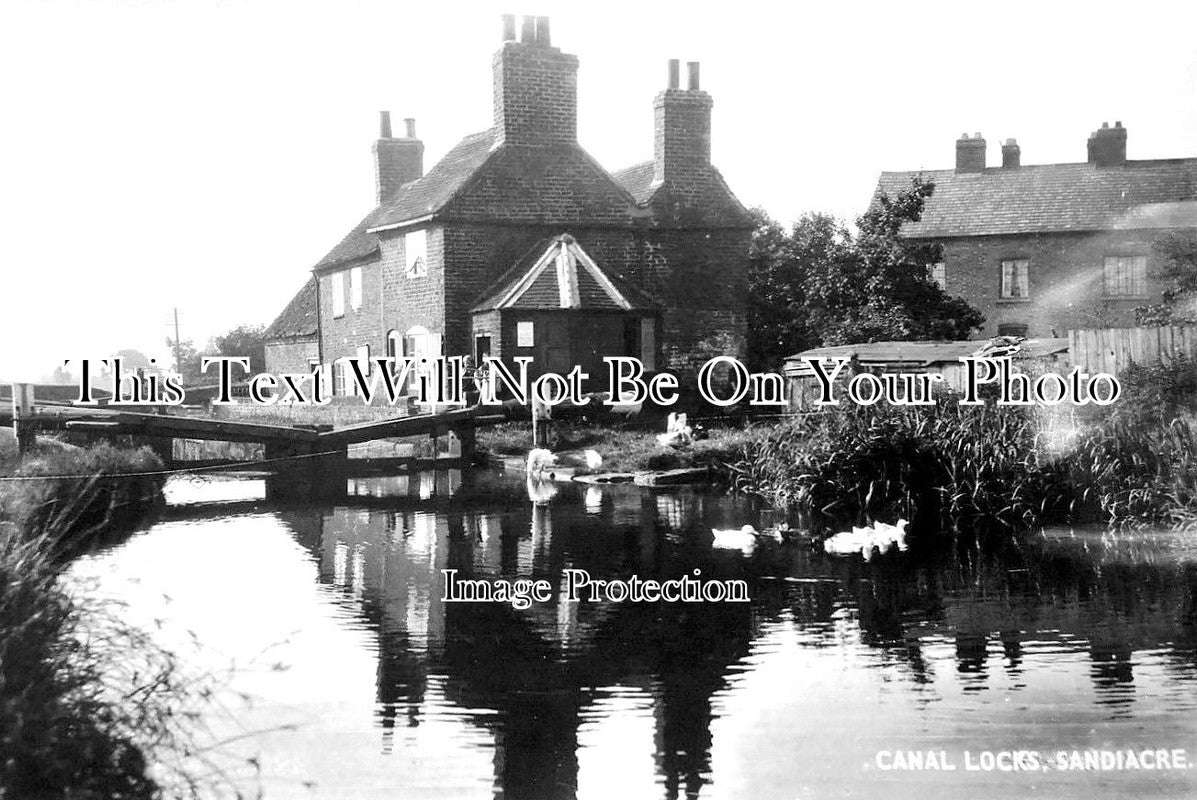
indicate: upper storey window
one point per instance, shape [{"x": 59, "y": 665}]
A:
[
  {"x": 1014, "y": 279},
  {"x": 415, "y": 248},
  {"x": 338, "y": 294}
]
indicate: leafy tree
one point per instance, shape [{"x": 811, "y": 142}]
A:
[
  {"x": 188, "y": 363},
  {"x": 244, "y": 340},
  {"x": 820, "y": 285},
  {"x": 1178, "y": 274}
]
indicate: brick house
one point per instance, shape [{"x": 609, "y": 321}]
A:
[
  {"x": 519, "y": 243},
  {"x": 1041, "y": 249}
]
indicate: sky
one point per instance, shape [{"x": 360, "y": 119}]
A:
[{"x": 204, "y": 155}]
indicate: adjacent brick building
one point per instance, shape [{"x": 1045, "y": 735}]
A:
[
  {"x": 519, "y": 243},
  {"x": 1041, "y": 249}
]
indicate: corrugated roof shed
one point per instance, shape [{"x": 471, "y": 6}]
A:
[
  {"x": 920, "y": 354},
  {"x": 1052, "y": 197}
]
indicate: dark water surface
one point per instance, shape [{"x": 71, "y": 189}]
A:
[{"x": 353, "y": 679}]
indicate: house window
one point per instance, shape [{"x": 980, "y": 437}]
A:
[
  {"x": 524, "y": 334},
  {"x": 1014, "y": 279},
  {"x": 338, "y": 294},
  {"x": 415, "y": 249},
  {"x": 1126, "y": 275},
  {"x": 355, "y": 288},
  {"x": 938, "y": 274}
]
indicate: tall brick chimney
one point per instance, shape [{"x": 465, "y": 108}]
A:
[
  {"x": 1011, "y": 154},
  {"x": 1107, "y": 146},
  {"x": 396, "y": 161},
  {"x": 682, "y": 130},
  {"x": 536, "y": 87},
  {"x": 970, "y": 153}
]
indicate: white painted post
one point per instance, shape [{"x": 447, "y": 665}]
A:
[{"x": 22, "y": 416}]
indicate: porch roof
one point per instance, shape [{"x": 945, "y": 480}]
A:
[{"x": 558, "y": 274}]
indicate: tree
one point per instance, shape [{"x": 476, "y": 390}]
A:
[
  {"x": 820, "y": 285},
  {"x": 1178, "y": 274},
  {"x": 779, "y": 264},
  {"x": 244, "y": 340},
  {"x": 188, "y": 362}
]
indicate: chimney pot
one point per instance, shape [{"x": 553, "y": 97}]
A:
[
  {"x": 528, "y": 30},
  {"x": 675, "y": 80},
  {"x": 1107, "y": 146},
  {"x": 970, "y": 153},
  {"x": 543, "y": 37},
  {"x": 509, "y": 27},
  {"x": 693, "y": 67},
  {"x": 1011, "y": 154},
  {"x": 384, "y": 124},
  {"x": 410, "y": 122}
]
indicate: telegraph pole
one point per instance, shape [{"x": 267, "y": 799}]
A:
[{"x": 178, "y": 363}]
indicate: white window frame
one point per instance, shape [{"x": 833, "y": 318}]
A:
[
  {"x": 355, "y": 288},
  {"x": 415, "y": 254},
  {"x": 937, "y": 273},
  {"x": 1012, "y": 270},
  {"x": 1124, "y": 276},
  {"x": 338, "y": 294},
  {"x": 525, "y": 333}
]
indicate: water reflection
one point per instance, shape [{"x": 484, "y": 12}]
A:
[{"x": 1059, "y": 642}]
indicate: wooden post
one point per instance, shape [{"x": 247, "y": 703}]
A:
[
  {"x": 541, "y": 414},
  {"x": 22, "y": 416}
]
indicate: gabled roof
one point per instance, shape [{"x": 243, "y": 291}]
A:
[
  {"x": 558, "y": 274},
  {"x": 415, "y": 199},
  {"x": 1052, "y": 198},
  {"x": 299, "y": 318},
  {"x": 430, "y": 193}
]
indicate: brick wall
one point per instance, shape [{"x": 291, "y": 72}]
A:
[
  {"x": 410, "y": 301},
  {"x": 291, "y": 355},
  {"x": 1065, "y": 278},
  {"x": 682, "y": 138},
  {"x": 363, "y": 326}
]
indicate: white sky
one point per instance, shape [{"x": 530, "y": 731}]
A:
[{"x": 205, "y": 155}]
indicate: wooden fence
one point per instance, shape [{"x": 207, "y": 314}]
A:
[{"x": 1113, "y": 349}]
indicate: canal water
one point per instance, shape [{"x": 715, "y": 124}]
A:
[{"x": 1018, "y": 670}]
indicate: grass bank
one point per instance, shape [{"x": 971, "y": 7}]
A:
[
  {"x": 626, "y": 448},
  {"x": 88, "y": 704}
]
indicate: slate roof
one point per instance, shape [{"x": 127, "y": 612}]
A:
[
  {"x": 415, "y": 199},
  {"x": 430, "y": 193},
  {"x": 637, "y": 180},
  {"x": 558, "y": 274},
  {"x": 299, "y": 317},
  {"x": 1052, "y": 197}
]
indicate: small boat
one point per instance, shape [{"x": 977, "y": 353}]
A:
[{"x": 880, "y": 537}]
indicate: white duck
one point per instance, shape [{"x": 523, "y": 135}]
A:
[
  {"x": 744, "y": 538},
  {"x": 540, "y": 460},
  {"x": 879, "y": 537}
]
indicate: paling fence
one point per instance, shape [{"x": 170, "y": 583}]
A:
[{"x": 1113, "y": 349}]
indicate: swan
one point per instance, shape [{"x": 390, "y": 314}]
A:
[{"x": 744, "y": 538}]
